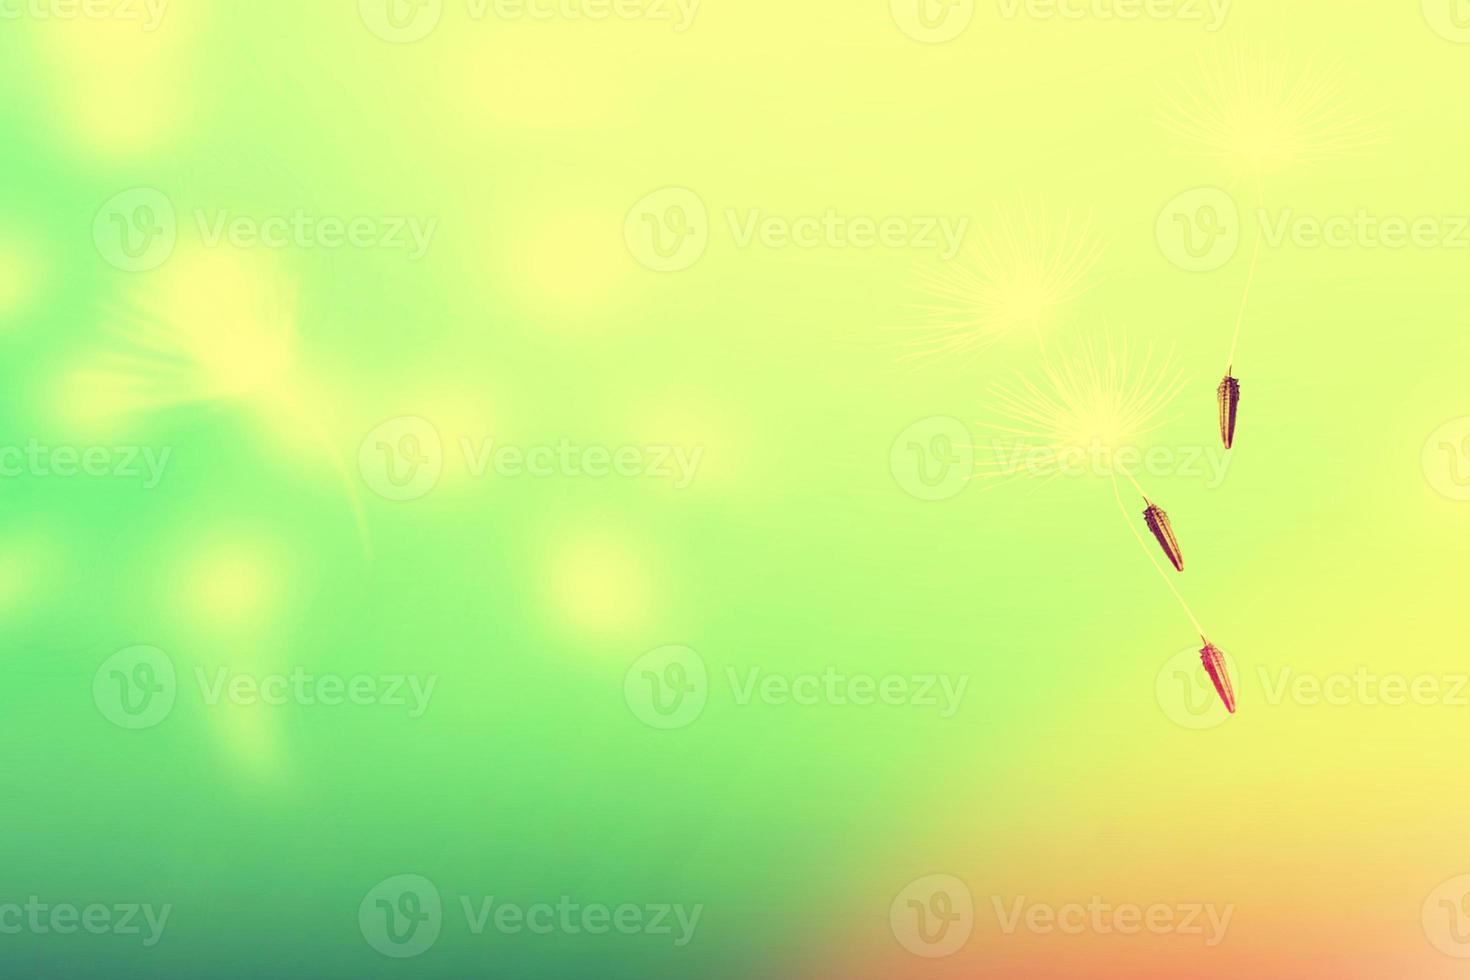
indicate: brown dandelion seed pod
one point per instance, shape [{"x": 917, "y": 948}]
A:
[
  {"x": 1158, "y": 523},
  {"x": 1229, "y": 394},
  {"x": 1214, "y": 662}
]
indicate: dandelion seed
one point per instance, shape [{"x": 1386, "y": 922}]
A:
[
  {"x": 1163, "y": 532},
  {"x": 1229, "y": 394},
  {"x": 1133, "y": 530},
  {"x": 1214, "y": 662}
]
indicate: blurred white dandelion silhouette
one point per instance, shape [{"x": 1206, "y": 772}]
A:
[
  {"x": 1256, "y": 115},
  {"x": 1103, "y": 397},
  {"x": 213, "y": 327},
  {"x": 1085, "y": 409},
  {"x": 1013, "y": 280}
]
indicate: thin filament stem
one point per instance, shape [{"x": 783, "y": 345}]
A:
[
  {"x": 1250, "y": 278},
  {"x": 1135, "y": 484}
]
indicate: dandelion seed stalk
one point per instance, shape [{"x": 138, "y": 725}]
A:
[{"x": 1250, "y": 278}]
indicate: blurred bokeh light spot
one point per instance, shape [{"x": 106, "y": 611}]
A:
[{"x": 598, "y": 584}]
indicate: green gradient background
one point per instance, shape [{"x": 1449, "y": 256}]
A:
[{"x": 794, "y": 550}]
